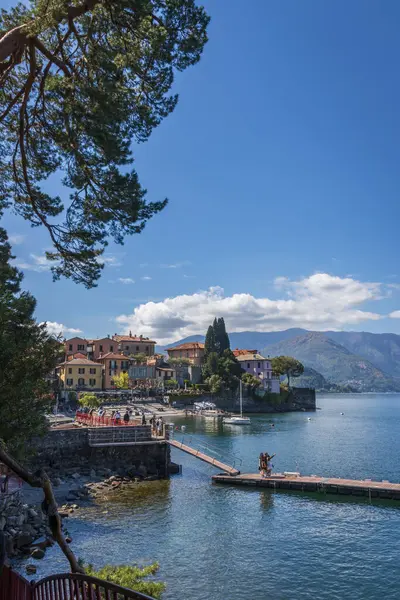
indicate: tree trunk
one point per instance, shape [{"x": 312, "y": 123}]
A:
[{"x": 41, "y": 480}]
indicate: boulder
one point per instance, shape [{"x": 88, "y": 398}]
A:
[
  {"x": 32, "y": 514},
  {"x": 75, "y": 476},
  {"x": 30, "y": 569},
  {"x": 23, "y": 539},
  {"x": 38, "y": 553},
  {"x": 57, "y": 482}
]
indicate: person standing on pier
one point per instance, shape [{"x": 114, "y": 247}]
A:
[{"x": 268, "y": 459}]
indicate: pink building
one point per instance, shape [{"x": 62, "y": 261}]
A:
[
  {"x": 260, "y": 367},
  {"x": 96, "y": 348},
  {"x": 74, "y": 345}
]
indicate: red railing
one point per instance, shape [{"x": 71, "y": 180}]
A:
[
  {"x": 64, "y": 586},
  {"x": 14, "y": 586},
  {"x": 96, "y": 421}
]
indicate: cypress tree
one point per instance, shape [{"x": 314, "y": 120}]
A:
[{"x": 209, "y": 344}]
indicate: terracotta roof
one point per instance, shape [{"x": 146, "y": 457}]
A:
[
  {"x": 249, "y": 357},
  {"x": 82, "y": 361},
  {"x": 188, "y": 346},
  {"x": 239, "y": 352},
  {"x": 132, "y": 338},
  {"x": 112, "y": 355}
]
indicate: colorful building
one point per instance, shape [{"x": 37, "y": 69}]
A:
[
  {"x": 80, "y": 374},
  {"x": 193, "y": 351},
  {"x": 96, "y": 348},
  {"x": 260, "y": 367},
  {"x": 74, "y": 345},
  {"x": 133, "y": 344},
  {"x": 114, "y": 364}
]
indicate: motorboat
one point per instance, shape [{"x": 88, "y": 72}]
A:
[{"x": 238, "y": 419}]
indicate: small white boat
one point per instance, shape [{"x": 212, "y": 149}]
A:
[{"x": 238, "y": 419}]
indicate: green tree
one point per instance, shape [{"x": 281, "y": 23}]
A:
[
  {"x": 229, "y": 369},
  {"x": 286, "y": 365},
  {"x": 90, "y": 400},
  {"x": 131, "y": 577},
  {"x": 215, "y": 384},
  {"x": 179, "y": 361},
  {"x": 28, "y": 356},
  {"x": 79, "y": 81},
  {"x": 140, "y": 357},
  {"x": 209, "y": 342},
  {"x": 171, "y": 383},
  {"x": 121, "y": 381},
  {"x": 251, "y": 380},
  {"x": 210, "y": 366},
  {"x": 221, "y": 337}
]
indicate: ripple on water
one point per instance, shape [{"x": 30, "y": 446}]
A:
[{"x": 217, "y": 542}]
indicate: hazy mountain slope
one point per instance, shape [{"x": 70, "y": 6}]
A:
[
  {"x": 335, "y": 362},
  {"x": 381, "y": 349}
]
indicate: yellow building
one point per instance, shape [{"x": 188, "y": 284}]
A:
[{"x": 80, "y": 374}]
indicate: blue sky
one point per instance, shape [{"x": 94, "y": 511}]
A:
[{"x": 281, "y": 160}]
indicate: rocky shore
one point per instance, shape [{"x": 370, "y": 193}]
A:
[{"x": 25, "y": 525}]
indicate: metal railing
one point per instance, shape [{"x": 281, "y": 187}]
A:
[
  {"x": 63, "y": 586},
  {"x": 229, "y": 457},
  {"x": 119, "y": 435},
  {"x": 96, "y": 421}
]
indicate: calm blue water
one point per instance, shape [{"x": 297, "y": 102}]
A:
[{"x": 217, "y": 542}]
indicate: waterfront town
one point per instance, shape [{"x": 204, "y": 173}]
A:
[{"x": 95, "y": 365}]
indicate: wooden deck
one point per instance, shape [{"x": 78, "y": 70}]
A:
[
  {"x": 326, "y": 485},
  {"x": 205, "y": 458}
]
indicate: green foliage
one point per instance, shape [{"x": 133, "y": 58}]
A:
[
  {"x": 209, "y": 342},
  {"x": 171, "y": 383},
  {"x": 140, "y": 358},
  {"x": 179, "y": 361},
  {"x": 131, "y": 577},
  {"x": 121, "y": 381},
  {"x": 210, "y": 365},
  {"x": 251, "y": 380},
  {"x": 215, "y": 384},
  {"x": 90, "y": 400},
  {"x": 229, "y": 369},
  {"x": 286, "y": 365},
  {"x": 79, "y": 82},
  {"x": 28, "y": 355},
  {"x": 221, "y": 337}
]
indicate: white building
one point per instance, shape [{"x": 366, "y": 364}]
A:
[{"x": 260, "y": 367}]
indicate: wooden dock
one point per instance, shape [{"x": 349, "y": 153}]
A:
[
  {"x": 327, "y": 485},
  {"x": 205, "y": 458}
]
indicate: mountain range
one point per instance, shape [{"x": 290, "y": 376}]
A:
[{"x": 333, "y": 360}]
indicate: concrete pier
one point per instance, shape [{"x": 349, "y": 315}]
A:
[{"x": 303, "y": 483}]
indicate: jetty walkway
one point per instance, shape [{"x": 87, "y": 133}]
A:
[{"x": 313, "y": 483}]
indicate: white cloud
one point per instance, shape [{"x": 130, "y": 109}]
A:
[
  {"x": 16, "y": 238},
  {"x": 321, "y": 302},
  {"x": 395, "y": 314},
  {"x": 125, "y": 280},
  {"x": 177, "y": 265},
  {"x": 57, "y": 328},
  {"x": 36, "y": 262},
  {"x": 109, "y": 260},
  {"x": 145, "y": 278}
]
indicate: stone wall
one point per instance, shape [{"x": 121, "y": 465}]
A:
[
  {"x": 298, "y": 399},
  {"x": 65, "y": 451}
]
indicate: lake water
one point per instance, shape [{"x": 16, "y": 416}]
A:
[{"x": 215, "y": 542}]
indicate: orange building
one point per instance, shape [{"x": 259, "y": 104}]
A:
[
  {"x": 114, "y": 364},
  {"x": 194, "y": 351}
]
